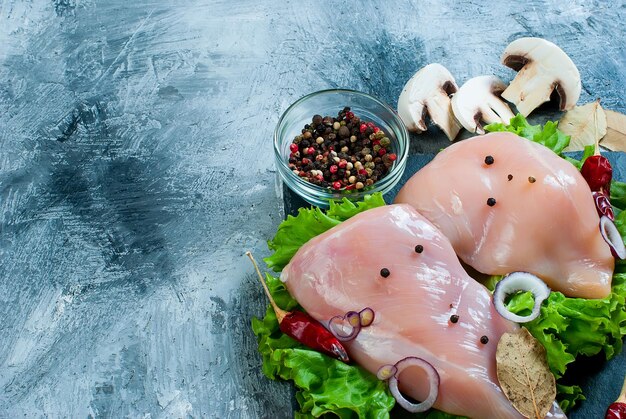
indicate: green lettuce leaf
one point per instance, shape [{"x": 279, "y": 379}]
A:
[
  {"x": 570, "y": 327},
  {"x": 324, "y": 385},
  {"x": 548, "y": 135},
  {"x": 618, "y": 195},
  {"x": 310, "y": 222}
]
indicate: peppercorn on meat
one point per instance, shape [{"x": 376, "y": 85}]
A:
[
  {"x": 394, "y": 261},
  {"x": 508, "y": 204}
]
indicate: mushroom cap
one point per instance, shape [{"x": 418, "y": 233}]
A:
[
  {"x": 428, "y": 93},
  {"x": 479, "y": 100},
  {"x": 543, "y": 67}
]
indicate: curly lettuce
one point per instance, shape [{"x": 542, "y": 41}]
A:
[
  {"x": 310, "y": 222},
  {"x": 324, "y": 384},
  {"x": 548, "y": 135}
]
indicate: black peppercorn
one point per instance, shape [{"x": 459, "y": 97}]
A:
[
  {"x": 317, "y": 119},
  {"x": 510, "y": 177},
  {"x": 384, "y": 272},
  {"x": 454, "y": 318},
  {"x": 344, "y": 132},
  {"x": 532, "y": 179},
  {"x": 419, "y": 248},
  {"x": 491, "y": 202},
  {"x": 484, "y": 340},
  {"x": 489, "y": 160}
]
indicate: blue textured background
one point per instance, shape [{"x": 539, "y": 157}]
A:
[{"x": 136, "y": 168}]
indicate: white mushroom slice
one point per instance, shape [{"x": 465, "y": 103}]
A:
[
  {"x": 543, "y": 68},
  {"x": 428, "y": 93},
  {"x": 479, "y": 100}
]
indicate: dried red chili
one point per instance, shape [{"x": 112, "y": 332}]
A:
[
  {"x": 304, "y": 328},
  {"x": 616, "y": 410},
  {"x": 598, "y": 173}
]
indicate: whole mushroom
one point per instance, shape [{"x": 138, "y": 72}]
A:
[
  {"x": 427, "y": 93},
  {"x": 543, "y": 68}
]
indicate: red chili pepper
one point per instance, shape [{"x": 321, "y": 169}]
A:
[
  {"x": 304, "y": 328},
  {"x": 617, "y": 409},
  {"x": 598, "y": 173}
]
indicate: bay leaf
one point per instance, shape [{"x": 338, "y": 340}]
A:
[
  {"x": 586, "y": 125},
  {"x": 524, "y": 375},
  {"x": 615, "y": 138}
]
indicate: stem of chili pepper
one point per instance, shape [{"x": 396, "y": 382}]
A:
[
  {"x": 302, "y": 327},
  {"x": 617, "y": 409},
  {"x": 280, "y": 313}
]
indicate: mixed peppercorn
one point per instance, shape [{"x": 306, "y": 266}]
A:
[{"x": 342, "y": 153}]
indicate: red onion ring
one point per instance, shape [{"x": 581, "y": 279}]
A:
[
  {"x": 345, "y": 327},
  {"x": 611, "y": 235},
  {"x": 520, "y": 281},
  {"x": 433, "y": 381},
  {"x": 348, "y": 326},
  {"x": 366, "y": 316},
  {"x": 603, "y": 206},
  {"x": 386, "y": 372}
]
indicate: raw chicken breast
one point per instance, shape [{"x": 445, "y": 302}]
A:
[
  {"x": 340, "y": 271},
  {"x": 549, "y": 228}
]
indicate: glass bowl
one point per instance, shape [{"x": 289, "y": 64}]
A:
[{"x": 330, "y": 102}]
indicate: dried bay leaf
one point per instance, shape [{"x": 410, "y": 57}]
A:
[
  {"x": 586, "y": 125},
  {"x": 615, "y": 138},
  {"x": 524, "y": 375}
]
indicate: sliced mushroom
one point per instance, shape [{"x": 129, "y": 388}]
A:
[
  {"x": 428, "y": 93},
  {"x": 479, "y": 100},
  {"x": 543, "y": 68}
]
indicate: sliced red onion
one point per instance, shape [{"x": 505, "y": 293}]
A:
[
  {"x": 366, "y": 316},
  {"x": 611, "y": 235},
  {"x": 603, "y": 206},
  {"x": 386, "y": 372},
  {"x": 346, "y": 327},
  {"x": 433, "y": 381},
  {"x": 520, "y": 281}
]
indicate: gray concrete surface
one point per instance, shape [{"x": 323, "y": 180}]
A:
[{"x": 136, "y": 168}]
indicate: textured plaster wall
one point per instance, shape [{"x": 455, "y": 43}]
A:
[{"x": 136, "y": 168}]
